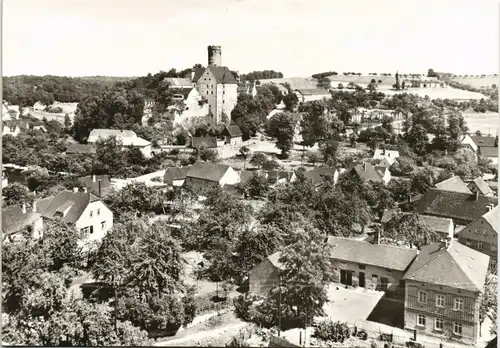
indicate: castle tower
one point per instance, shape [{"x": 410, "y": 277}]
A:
[{"x": 214, "y": 56}]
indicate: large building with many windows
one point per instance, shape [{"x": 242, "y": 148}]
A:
[{"x": 443, "y": 291}]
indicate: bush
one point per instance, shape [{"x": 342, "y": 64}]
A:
[
  {"x": 329, "y": 330},
  {"x": 243, "y": 306}
]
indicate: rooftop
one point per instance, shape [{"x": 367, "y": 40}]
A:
[
  {"x": 314, "y": 91},
  {"x": 483, "y": 141},
  {"x": 175, "y": 173},
  {"x": 76, "y": 202},
  {"x": 482, "y": 186},
  {"x": 453, "y": 184},
  {"x": 488, "y": 151},
  {"x": 15, "y": 220},
  {"x": 207, "y": 171},
  {"x": 222, "y": 74}
]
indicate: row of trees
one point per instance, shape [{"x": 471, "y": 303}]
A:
[{"x": 261, "y": 75}]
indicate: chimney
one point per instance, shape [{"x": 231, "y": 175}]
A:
[
  {"x": 23, "y": 208},
  {"x": 377, "y": 237},
  {"x": 99, "y": 188},
  {"x": 93, "y": 178},
  {"x": 476, "y": 196},
  {"x": 34, "y": 206},
  {"x": 75, "y": 189}
]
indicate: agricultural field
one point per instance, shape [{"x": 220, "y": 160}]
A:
[
  {"x": 478, "y": 82},
  {"x": 438, "y": 93},
  {"x": 486, "y": 123}
]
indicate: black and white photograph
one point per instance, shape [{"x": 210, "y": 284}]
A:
[{"x": 250, "y": 173}]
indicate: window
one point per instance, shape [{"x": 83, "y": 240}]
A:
[
  {"x": 103, "y": 225},
  {"x": 439, "y": 300},
  {"x": 421, "y": 320},
  {"x": 422, "y": 296},
  {"x": 85, "y": 230},
  {"x": 98, "y": 212},
  {"x": 493, "y": 247},
  {"x": 479, "y": 245},
  {"x": 457, "y": 328},
  {"x": 478, "y": 230},
  {"x": 458, "y": 304},
  {"x": 91, "y": 213},
  {"x": 439, "y": 324},
  {"x": 493, "y": 264},
  {"x": 212, "y": 92},
  {"x": 361, "y": 266}
]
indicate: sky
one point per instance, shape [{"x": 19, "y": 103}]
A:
[{"x": 296, "y": 37}]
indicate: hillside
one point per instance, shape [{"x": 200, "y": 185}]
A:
[
  {"x": 362, "y": 80},
  {"x": 478, "y": 82}
]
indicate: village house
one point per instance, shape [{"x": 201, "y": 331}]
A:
[
  {"x": 462, "y": 208},
  {"x": 482, "y": 235},
  {"x": 443, "y": 291},
  {"x": 204, "y": 142},
  {"x": 232, "y": 135},
  {"x": 193, "y": 105},
  {"x": 388, "y": 156},
  {"x": 264, "y": 276},
  {"x": 81, "y": 149},
  {"x": 317, "y": 175},
  {"x": 443, "y": 226},
  {"x": 83, "y": 210},
  {"x": 203, "y": 175},
  {"x": 38, "y": 106},
  {"x": 453, "y": 184},
  {"x": 248, "y": 88},
  {"x": 490, "y": 153},
  {"x": 99, "y": 185},
  {"x": 10, "y": 128},
  {"x": 482, "y": 146},
  {"x": 217, "y": 84},
  {"x": 126, "y": 137},
  {"x": 370, "y": 173},
  {"x": 279, "y": 177},
  {"x": 10, "y": 112},
  {"x": 481, "y": 186},
  {"x": 307, "y": 95},
  {"x": 19, "y": 218},
  {"x": 358, "y": 263},
  {"x": 175, "y": 176}
]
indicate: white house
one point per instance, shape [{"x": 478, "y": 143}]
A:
[
  {"x": 193, "y": 105},
  {"x": 469, "y": 143},
  {"x": 10, "y": 129},
  {"x": 128, "y": 139},
  {"x": 306, "y": 95},
  {"x": 389, "y": 155},
  {"x": 83, "y": 210},
  {"x": 232, "y": 135},
  {"x": 38, "y": 106},
  {"x": 202, "y": 175}
]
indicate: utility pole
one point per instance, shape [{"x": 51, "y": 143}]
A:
[
  {"x": 279, "y": 306},
  {"x": 305, "y": 327}
]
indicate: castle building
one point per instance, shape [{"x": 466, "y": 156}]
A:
[{"x": 217, "y": 84}]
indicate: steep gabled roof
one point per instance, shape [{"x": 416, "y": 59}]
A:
[
  {"x": 233, "y": 131},
  {"x": 454, "y": 205},
  {"x": 213, "y": 172},
  {"x": 91, "y": 182},
  {"x": 14, "y": 220},
  {"x": 372, "y": 254},
  {"x": 492, "y": 218},
  {"x": 453, "y": 184},
  {"x": 106, "y": 133},
  {"x": 75, "y": 201},
  {"x": 275, "y": 260},
  {"x": 368, "y": 172},
  {"x": 481, "y": 141},
  {"x": 221, "y": 73},
  {"x": 175, "y": 173},
  {"x": 184, "y": 91},
  {"x": 483, "y": 187},
  {"x": 456, "y": 266}
]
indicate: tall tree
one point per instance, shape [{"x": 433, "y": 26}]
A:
[{"x": 282, "y": 128}]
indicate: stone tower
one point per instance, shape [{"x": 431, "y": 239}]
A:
[{"x": 214, "y": 56}]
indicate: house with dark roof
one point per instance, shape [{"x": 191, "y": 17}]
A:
[
  {"x": 217, "y": 84},
  {"x": 370, "y": 173},
  {"x": 307, "y": 95},
  {"x": 264, "y": 276},
  {"x": 490, "y": 153},
  {"x": 317, "y": 175},
  {"x": 358, "y": 263},
  {"x": 126, "y": 137},
  {"x": 462, "y": 208},
  {"x": 233, "y": 135},
  {"x": 81, "y": 149},
  {"x": 83, "y": 210},
  {"x": 485, "y": 146},
  {"x": 99, "y": 185},
  {"x": 481, "y": 186},
  {"x": 19, "y": 218},
  {"x": 202, "y": 175},
  {"x": 482, "y": 235},
  {"x": 387, "y": 156},
  {"x": 453, "y": 184},
  {"x": 276, "y": 177},
  {"x": 443, "y": 226},
  {"x": 206, "y": 142},
  {"x": 443, "y": 289},
  {"x": 175, "y": 176}
]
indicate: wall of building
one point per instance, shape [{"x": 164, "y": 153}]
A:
[
  {"x": 229, "y": 98},
  {"x": 231, "y": 177},
  {"x": 468, "y": 142},
  {"x": 371, "y": 282},
  {"x": 481, "y": 231},
  {"x": 95, "y": 220},
  {"x": 263, "y": 277},
  {"x": 234, "y": 141},
  {"x": 469, "y": 317}
]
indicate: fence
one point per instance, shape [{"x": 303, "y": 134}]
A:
[
  {"x": 399, "y": 340},
  {"x": 213, "y": 307},
  {"x": 242, "y": 335}
]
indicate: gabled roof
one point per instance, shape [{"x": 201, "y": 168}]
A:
[
  {"x": 178, "y": 82},
  {"x": 14, "y": 220},
  {"x": 184, "y": 91},
  {"x": 492, "y": 218},
  {"x": 368, "y": 172},
  {"x": 208, "y": 142},
  {"x": 483, "y": 187},
  {"x": 91, "y": 182},
  {"x": 175, "y": 173},
  {"x": 351, "y": 250},
  {"x": 121, "y": 134},
  {"x": 81, "y": 149},
  {"x": 75, "y": 201},
  {"x": 313, "y": 91},
  {"x": 317, "y": 175},
  {"x": 453, "y": 184},
  {"x": 456, "y": 266},
  {"x": 213, "y": 172},
  {"x": 481, "y": 141},
  {"x": 388, "y": 155},
  {"x": 274, "y": 175},
  {"x": 488, "y": 151},
  {"x": 275, "y": 260},
  {"x": 233, "y": 131},
  {"x": 454, "y": 205},
  {"x": 221, "y": 73}
]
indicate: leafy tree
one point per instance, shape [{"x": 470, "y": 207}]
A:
[
  {"x": 204, "y": 154},
  {"x": 244, "y": 151},
  {"x": 15, "y": 194},
  {"x": 247, "y": 114},
  {"x": 313, "y": 157},
  {"x": 403, "y": 166},
  {"x": 135, "y": 198},
  {"x": 423, "y": 180},
  {"x": 290, "y": 100},
  {"x": 313, "y": 124},
  {"x": 410, "y": 229},
  {"x": 257, "y": 186},
  {"x": 38, "y": 178},
  {"x": 282, "y": 128},
  {"x": 271, "y": 165},
  {"x": 258, "y": 159},
  {"x": 400, "y": 189},
  {"x": 417, "y": 139},
  {"x": 110, "y": 155},
  {"x": 329, "y": 151},
  {"x": 278, "y": 96}
]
